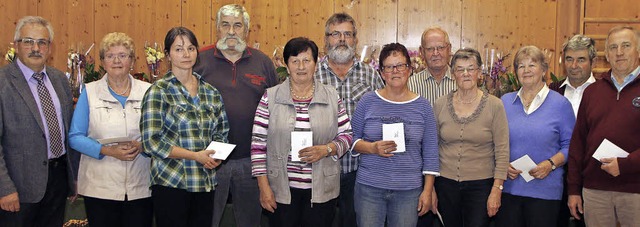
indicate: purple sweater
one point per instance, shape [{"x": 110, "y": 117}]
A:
[
  {"x": 403, "y": 171},
  {"x": 540, "y": 135}
]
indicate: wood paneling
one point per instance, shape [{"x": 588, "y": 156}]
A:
[{"x": 505, "y": 25}]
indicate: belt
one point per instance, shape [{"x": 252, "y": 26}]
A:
[{"x": 55, "y": 162}]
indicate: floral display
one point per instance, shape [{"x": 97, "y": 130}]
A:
[
  {"x": 11, "y": 54},
  {"x": 154, "y": 56},
  {"x": 76, "y": 223},
  {"x": 417, "y": 63},
  {"x": 497, "y": 78}
]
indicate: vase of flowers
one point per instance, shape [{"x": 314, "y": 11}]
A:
[{"x": 153, "y": 56}]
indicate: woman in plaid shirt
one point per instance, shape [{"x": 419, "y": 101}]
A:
[{"x": 181, "y": 115}]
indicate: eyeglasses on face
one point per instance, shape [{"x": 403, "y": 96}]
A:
[
  {"x": 337, "y": 34},
  {"x": 436, "y": 48},
  {"x": 29, "y": 42},
  {"x": 112, "y": 57},
  {"x": 465, "y": 70},
  {"x": 391, "y": 68}
]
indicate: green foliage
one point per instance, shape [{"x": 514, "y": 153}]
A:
[
  {"x": 90, "y": 73},
  {"x": 554, "y": 78},
  {"x": 282, "y": 73}
]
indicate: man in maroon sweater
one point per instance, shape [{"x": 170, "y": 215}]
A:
[{"x": 610, "y": 109}]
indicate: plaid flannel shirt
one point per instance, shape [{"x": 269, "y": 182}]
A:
[
  {"x": 361, "y": 78},
  {"x": 171, "y": 117}
]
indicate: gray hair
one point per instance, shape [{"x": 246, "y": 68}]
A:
[
  {"x": 620, "y": 28},
  {"x": 581, "y": 42},
  {"x": 234, "y": 10},
  {"x": 33, "y": 20},
  {"x": 466, "y": 54},
  {"x": 339, "y": 18}
]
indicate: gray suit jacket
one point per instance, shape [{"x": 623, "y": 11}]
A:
[{"x": 23, "y": 146}]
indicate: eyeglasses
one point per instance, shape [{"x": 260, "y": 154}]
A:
[
  {"x": 112, "y": 57},
  {"x": 29, "y": 42},
  {"x": 436, "y": 48},
  {"x": 465, "y": 70},
  {"x": 337, "y": 34},
  {"x": 391, "y": 68}
]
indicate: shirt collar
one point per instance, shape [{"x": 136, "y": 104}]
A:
[
  {"x": 447, "y": 74},
  {"x": 586, "y": 83},
  {"x": 537, "y": 100}
]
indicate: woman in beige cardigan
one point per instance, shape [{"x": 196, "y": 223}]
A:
[{"x": 474, "y": 147}]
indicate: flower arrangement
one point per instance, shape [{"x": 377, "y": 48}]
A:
[
  {"x": 11, "y": 53},
  {"x": 76, "y": 223},
  {"x": 154, "y": 56},
  {"x": 278, "y": 62},
  {"x": 497, "y": 79},
  {"x": 417, "y": 63},
  {"x": 82, "y": 70}
]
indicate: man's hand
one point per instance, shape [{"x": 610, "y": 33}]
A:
[
  {"x": 10, "y": 202},
  {"x": 610, "y": 165},
  {"x": 575, "y": 205}
]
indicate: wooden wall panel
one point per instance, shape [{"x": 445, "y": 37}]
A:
[
  {"x": 415, "y": 16},
  {"x": 10, "y": 13},
  {"x": 72, "y": 22},
  {"x": 199, "y": 17},
  {"x": 509, "y": 25},
  {"x": 376, "y": 21},
  {"x": 568, "y": 24}
]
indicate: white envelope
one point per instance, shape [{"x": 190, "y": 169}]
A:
[
  {"x": 524, "y": 164},
  {"x": 222, "y": 150},
  {"x": 394, "y": 132},
  {"x": 299, "y": 141},
  {"x": 114, "y": 140},
  {"x": 609, "y": 150}
]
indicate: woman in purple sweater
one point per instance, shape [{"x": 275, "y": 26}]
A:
[
  {"x": 540, "y": 126},
  {"x": 394, "y": 185}
]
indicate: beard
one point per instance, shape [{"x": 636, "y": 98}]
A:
[
  {"x": 341, "y": 53},
  {"x": 240, "y": 46}
]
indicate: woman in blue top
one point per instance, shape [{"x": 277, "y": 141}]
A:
[
  {"x": 540, "y": 126},
  {"x": 394, "y": 187}
]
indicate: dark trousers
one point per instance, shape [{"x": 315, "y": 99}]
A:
[
  {"x": 175, "y": 207},
  {"x": 49, "y": 212},
  {"x": 463, "y": 203},
  {"x": 564, "y": 218},
  {"x": 345, "y": 200},
  {"x": 302, "y": 213},
  {"x": 112, "y": 213},
  {"x": 518, "y": 211}
]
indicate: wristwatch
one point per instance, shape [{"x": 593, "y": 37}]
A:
[
  {"x": 499, "y": 187},
  {"x": 553, "y": 165},
  {"x": 329, "y": 151}
]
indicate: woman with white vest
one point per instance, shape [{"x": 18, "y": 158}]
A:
[
  {"x": 299, "y": 192},
  {"x": 113, "y": 177}
]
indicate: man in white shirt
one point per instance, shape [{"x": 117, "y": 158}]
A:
[{"x": 578, "y": 55}]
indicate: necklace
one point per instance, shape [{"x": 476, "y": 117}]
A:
[
  {"x": 525, "y": 102},
  {"x": 114, "y": 91},
  {"x": 313, "y": 88},
  {"x": 467, "y": 102}
]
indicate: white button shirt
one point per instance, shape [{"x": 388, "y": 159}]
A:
[{"x": 574, "y": 94}]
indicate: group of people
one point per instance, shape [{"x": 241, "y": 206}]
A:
[{"x": 391, "y": 147}]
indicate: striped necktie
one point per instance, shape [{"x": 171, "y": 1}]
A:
[{"x": 50, "y": 116}]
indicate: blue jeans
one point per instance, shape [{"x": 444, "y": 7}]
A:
[
  {"x": 234, "y": 177},
  {"x": 374, "y": 206}
]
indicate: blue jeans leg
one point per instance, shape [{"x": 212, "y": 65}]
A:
[
  {"x": 374, "y": 205},
  {"x": 234, "y": 177}
]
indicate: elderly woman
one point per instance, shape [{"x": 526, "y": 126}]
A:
[
  {"x": 474, "y": 147},
  {"x": 394, "y": 186},
  {"x": 299, "y": 192},
  {"x": 540, "y": 126},
  {"x": 181, "y": 115},
  {"x": 113, "y": 177}
]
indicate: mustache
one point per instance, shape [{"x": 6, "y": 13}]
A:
[{"x": 35, "y": 54}]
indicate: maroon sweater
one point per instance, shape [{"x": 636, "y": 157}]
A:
[{"x": 606, "y": 113}]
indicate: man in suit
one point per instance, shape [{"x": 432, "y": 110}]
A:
[
  {"x": 35, "y": 111},
  {"x": 578, "y": 56}
]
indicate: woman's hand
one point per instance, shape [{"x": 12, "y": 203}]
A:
[
  {"x": 267, "y": 198},
  {"x": 203, "y": 158},
  {"x": 313, "y": 154},
  {"x": 434, "y": 201},
  {"x": 121, "y": 151},
  {"x": 542, "y": 170},
  {"x": 424, "y": 202},
  {"x": 513, "y": 173},
  {"x": 493, "y": 202},
  {"x": 383, "y": 148}
]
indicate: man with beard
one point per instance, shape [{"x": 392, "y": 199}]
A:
[
  {"x": 352, "y": 79},
  {"x": 35, "y": 112},
  {"x": 436, "y": 80},
  {"x": 578, "y": 56},
  {"x": 241, "y": 74}
]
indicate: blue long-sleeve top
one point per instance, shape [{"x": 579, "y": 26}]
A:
[
  {"x": 541, "y": 135},
  {"x": 403, "y": 171},
  {"x": 78, "y": 139}
]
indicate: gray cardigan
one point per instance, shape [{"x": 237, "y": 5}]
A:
[{"x": 323, "y": 117}]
